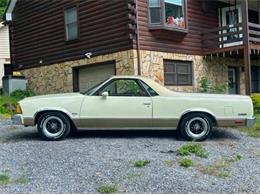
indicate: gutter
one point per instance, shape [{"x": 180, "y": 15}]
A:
[{"x": 138, "y": 41}]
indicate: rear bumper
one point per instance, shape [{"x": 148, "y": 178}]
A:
[
  {"x": 17, "y": 119},
  {"x": 250, "y": 122}
]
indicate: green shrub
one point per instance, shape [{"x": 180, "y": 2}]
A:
[
  {"x": 256, "y": 102},
  {"x": 7, "y": 105},
  {"x": 220, "y": 88},
  {"x": 204, "y": 84},
  {"x": 21, "y": 94},
  {"x": 207, "y": 87}
]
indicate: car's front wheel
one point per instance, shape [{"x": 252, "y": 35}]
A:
[
  {"x": 53, "y": 126},
  {"x": 196, "y": 127}
]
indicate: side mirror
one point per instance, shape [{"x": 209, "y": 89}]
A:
[{"x": 105, "y": 94}]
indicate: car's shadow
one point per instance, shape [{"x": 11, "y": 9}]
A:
[{"x": 30, "y": 135}]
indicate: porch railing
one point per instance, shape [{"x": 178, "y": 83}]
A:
[
  {"x": 230, "y": 35},
  {"x": 254, "y": 33},
  {"x": 224, "y": 36}
]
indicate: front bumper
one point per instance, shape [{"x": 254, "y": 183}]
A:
[
  {"x": 250, "y": 122},
  {"x": 17, "y": 119}
]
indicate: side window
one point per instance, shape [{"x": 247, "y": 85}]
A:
[
  {"x": 149, "y": 89},
  {"x": 123, "y": 87},
  {"x": 71, "y": 23}
]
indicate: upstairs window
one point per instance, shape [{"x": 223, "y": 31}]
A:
[
  {"x": 168, "y": 13},
  {"x": 155, "y": 11},
  {"x": 71, "y": 24},
  {"x": 177, "y": 72}
]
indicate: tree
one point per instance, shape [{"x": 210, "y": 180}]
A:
[{"x": 3, "y": 4}]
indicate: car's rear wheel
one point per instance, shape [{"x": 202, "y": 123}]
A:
[
  {"x": 196, "y": 127},
  {"x": 53, "y": 126}
]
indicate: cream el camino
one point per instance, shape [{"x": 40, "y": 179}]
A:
[{"x": 130, "y": 102}]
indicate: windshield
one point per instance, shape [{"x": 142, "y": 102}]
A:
[{"x": 94, "y": 88}]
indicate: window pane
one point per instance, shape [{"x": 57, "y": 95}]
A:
[
  {"x": 155, "y": 15},
  {"x": 71, "y": 23},
  {"x": 174, "y": 13},
  {"x": 72, "y": 31},
  {"x": 183, "y": 68},
  {"x": 149, "y": 89},
  {"x": 184, "y": 79},
  {"x": 169, "y": 68},
  {"x": 170, "y": 79},
  {"x": 71, "y": 15},
  {"x": 124, "y": 88},
  {"x": 154, "y": 3}
]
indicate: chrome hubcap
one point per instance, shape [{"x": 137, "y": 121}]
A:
[
  {"x": 53, "y": 126},
  {"x": 197, "y": 127}
]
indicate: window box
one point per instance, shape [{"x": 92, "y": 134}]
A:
[{"x": 168, "y": 15}]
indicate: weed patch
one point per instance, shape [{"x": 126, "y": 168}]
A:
[
  {"x": 141, "y": 163},
  {"x": 218, "y": 168},
  {"x": 169, "y": 163},
  {"x": 186, "y": 162},
  {"x": 22, "y": 180},
  {"x": 193, "y": 148},
  {"x": 133, "y": 176},
  {"x": 4, "y": 179},
  {"x": 107, "y": 189}
]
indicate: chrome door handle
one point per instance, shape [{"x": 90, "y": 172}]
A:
[{"x": 147, "y": 104}]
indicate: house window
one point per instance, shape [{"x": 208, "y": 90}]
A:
[
  {"x": 177, "y": 72},
  {"x": 71, "y": 24},
  {"x": 168, "y": 13},
  {"x": 155, "y": 11}
]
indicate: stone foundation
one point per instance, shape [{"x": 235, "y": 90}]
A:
[
  {"x": 152, "y": 66},
  {"x": 57, "y": 78}
]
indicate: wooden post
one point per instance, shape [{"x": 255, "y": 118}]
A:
[{"x": 246, "y": 47}]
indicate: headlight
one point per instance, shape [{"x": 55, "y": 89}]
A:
[{"x": 18, "y": 109}]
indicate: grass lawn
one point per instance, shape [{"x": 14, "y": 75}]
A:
[{"x": 255, "y": 130}]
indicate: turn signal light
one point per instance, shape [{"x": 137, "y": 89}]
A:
[{"x": 18, "y": 109}]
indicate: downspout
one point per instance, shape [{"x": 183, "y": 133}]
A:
[{"x": 138, "y": 40}]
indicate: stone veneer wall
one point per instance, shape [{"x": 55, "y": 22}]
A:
[
  {"x": 57, "y": 78},
  {"x": 152, "y": 66}
]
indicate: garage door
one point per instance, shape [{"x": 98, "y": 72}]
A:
[{"x": 94, "y": 74}]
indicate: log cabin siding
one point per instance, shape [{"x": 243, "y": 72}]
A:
[
  {"x": 38, "y": 31},
  {"x": 172, "y": 41}
]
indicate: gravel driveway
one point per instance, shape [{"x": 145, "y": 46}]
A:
[{"x": 90, "y": 159}]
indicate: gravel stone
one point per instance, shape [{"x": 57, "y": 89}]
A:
[{"x": 84, "y": 161}]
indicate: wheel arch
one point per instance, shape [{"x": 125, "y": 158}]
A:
[
  {"x": 41, "y": 112},
  {"x": 199, "y": 111}
]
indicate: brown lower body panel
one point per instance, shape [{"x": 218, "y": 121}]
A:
[
  {"x": 28, "y": 121},
  {"x": 231, "y": 122},
  {"x": 125, "y": 123}
]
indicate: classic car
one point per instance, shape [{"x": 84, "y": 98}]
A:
[{"x": 132, "y": 102}]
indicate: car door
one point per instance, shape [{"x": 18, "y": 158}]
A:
[{"x": 120, "y": 103}]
